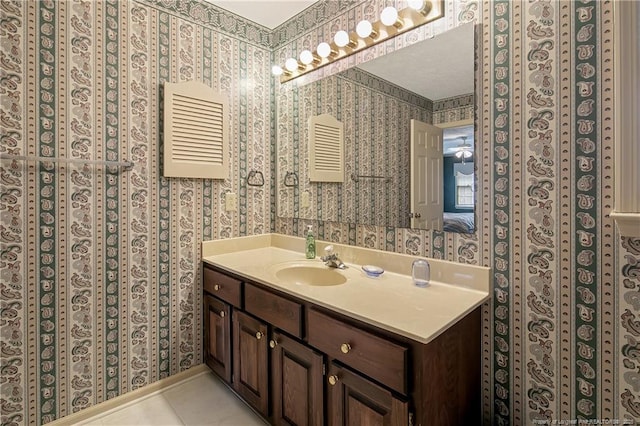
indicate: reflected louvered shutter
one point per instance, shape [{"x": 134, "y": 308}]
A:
[
  {"x": 326, "y": 153},
  {"x": 195, "y": 131}
]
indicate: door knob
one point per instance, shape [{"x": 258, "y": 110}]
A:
[
  {"x": 333, "y": 379},
  {"x": 221, "y": 314},
  {"x": 259, "y": 335},
  {"x": 273, "y": 344},
  {"x": 345, "y": 348}
]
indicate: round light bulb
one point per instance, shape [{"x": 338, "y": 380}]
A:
[
  {"x": 276, "y": 70},
  {"x": 306, "y": 57},
  {"x": 416, "y": 4},
  {"x": 364, "y": 29},
  {"x": 422, "y": 6},
  {"x": 324, "y": 50},
  {"x": 341, "y": 39},
  {"x": 291, "y": 64},
  {"x": 389, "y": 16}
]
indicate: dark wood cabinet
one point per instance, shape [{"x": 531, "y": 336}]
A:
[
  {"x": 217, "y": 336},
  {"x": 273, "y": 349},
  {"x": 250, "y": 362},
  {"x": 355, "y": 401},
  {"x": 297, "y": 385}
]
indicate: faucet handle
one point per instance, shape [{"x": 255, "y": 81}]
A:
[{"x": 328, "y": 250}]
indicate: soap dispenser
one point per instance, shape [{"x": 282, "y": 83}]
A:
[{"x": 310, "y": 244}]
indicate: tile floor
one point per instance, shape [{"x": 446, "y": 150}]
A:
[{"x": 200, "y": 400}]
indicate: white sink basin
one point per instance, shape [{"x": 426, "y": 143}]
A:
[{"x": 310, "y": 275}]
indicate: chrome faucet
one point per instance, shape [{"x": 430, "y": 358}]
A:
[{"x": 331, "y": 259}]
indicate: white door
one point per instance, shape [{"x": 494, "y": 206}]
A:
[{"x": 426, "y": 176}]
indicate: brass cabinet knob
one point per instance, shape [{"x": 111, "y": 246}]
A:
[
  {"x": 345, "y": 348},
  {"x": 273, "y": 344},
  {"x": 216, "y": 287},
  {"x": 221, "y": 314},
  {"x": 259, "y": 335},
  {"x": 333, "y": 379}
]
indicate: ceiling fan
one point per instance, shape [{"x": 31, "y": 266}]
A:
[{"x": 463, "y": 150}]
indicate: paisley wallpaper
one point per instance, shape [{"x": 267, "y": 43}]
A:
[
  {"x": 366, "y": 151},
  {"x": 101, "y": 285},
  {"x": 100, "y": 266},
  {"x": 562, "y": 333}
]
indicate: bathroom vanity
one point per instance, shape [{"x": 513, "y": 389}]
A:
[{"x": 342, "y": 349}]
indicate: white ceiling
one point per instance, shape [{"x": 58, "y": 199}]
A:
[
  {"x": 437, "y": 68},
  {"x": 453, "y": 137},
  {"x": 268, "y": 13}
]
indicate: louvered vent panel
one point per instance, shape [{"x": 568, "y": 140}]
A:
[
  {"x": 326, "y": 159},
  {"x": 195, "y": 133},
  {"x": 326, "y": 137}
]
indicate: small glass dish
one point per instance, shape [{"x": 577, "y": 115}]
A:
[{"x": 372, "y": 271}]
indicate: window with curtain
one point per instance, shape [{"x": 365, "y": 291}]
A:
[{"x": 464, "y": 191}]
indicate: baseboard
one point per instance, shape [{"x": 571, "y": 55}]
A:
[{"x": 122, "y": 401}]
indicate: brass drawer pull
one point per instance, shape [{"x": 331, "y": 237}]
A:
[
  {"x": 333, "y": 379},
  {"x": 259, "y": 335},
  {"x": 221, "y": 314},
  {"x": 273, "y": 344},
  {"x": 345, "y": 348},
  {"x": 216, "y": 287}
]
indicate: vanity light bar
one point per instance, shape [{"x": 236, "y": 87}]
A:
[{"x": 418, "y": 13}]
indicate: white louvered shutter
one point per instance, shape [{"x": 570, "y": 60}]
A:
[
  {"x": 326, "y": 149},
  {"x": 195, "y": 131}
]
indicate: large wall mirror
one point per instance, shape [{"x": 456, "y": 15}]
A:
[{"x": 389, "y": 108}]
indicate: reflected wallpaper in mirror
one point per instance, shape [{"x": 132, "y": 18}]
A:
[{"x": 376, "y": 109}]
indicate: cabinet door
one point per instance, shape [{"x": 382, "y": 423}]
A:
[
  {"x": 354, "y": 400},
  {"x": 217, "y": 336},
  {"x": 297, "y": 387},
  {"x": 250, "y": 363}
]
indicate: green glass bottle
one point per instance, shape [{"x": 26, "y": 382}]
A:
[{"x": 310, "y": 244}]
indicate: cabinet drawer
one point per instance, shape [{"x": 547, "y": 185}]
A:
[
  {"x": 280, "y": 312},
  {"x": 374, "y": 356},
  {"x": 222, "y": 286}
]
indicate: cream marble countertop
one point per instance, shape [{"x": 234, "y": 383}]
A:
[{"x": 391, "y": 301}]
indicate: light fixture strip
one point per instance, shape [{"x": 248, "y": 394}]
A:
[{"x": 410, "y": 19}]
